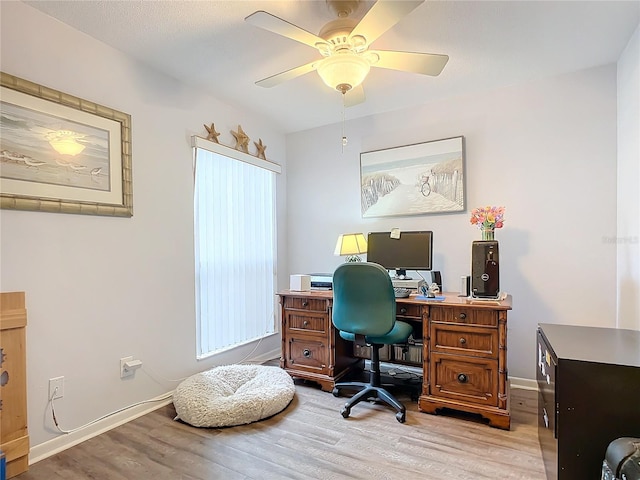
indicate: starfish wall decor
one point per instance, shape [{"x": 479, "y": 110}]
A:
[
  {"x": 241, "y": 138},
  {"x": 212, "y": 134},
  {"x": 242, "y": 141},
  {"x": 261, "y": 148}
]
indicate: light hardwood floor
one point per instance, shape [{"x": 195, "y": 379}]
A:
[{"x": 310, "y": 440}]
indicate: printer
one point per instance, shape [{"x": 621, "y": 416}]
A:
[{"x": 321, "y": 281}]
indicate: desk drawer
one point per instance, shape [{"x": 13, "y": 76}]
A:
[
  {"x": 316, "y": 322},
  {"x": 304, "y": 303},
  {"x": 465, "y": 315},
  {"x": 462, "y": 340},
  {"x": 306, "y": 353},
  {"x": 408, "y": 310},
  {"x": 466, "y": 379}
]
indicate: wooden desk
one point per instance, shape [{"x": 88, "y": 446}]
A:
[{"x": 464, "y": 349}]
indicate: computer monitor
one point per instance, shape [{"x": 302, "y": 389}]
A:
[{"x": 412, "y": 251}]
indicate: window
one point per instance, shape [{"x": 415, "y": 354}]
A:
[{"x": 235, "y": 247}]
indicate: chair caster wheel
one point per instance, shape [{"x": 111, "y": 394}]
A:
[
  {"x": 345, "y": 412},
  {"x": 335, "y": 392},
  {"x": 401, "y": 417}
]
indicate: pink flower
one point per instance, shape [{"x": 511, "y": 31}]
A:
[{"x": 488, "y": 217}]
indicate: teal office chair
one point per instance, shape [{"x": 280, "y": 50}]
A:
[{"x": 364, "y": 310}]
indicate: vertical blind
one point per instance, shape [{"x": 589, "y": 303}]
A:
[{"x": 235, "y": 245}]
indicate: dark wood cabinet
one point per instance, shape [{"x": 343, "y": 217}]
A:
[
  {"x": 589, "y": 395},
  {"x": 461, "y": 347}
]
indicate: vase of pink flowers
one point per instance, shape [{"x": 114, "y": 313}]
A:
[
  {"x": 487, "y": 220},
  {"x": 488, "y": 233}
]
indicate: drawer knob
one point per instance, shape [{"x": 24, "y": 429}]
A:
[
  {"x": 305, "y": 304},
  {"x": 305, "y": 323},
  {"x": 403, "y": 311},
  {"x": 306, "y": 353},
  {"x": 462, "y": 378},
  {"x": 463, "y": 340},
  {"x": 463, "y": 316}
]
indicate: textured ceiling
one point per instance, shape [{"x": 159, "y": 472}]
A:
[{"x": 208, "y": 44}]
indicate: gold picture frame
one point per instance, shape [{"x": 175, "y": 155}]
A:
[{"x": 60, "y": 153}]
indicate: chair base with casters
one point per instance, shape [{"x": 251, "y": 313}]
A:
[{"x": 371, "y": 390}]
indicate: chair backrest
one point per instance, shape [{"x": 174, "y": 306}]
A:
[{"x": 364, "y": 302}]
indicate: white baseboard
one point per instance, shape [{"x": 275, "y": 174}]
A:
[
  {"x": 523, "y": 383},
  {"x": 265, "y": 357},
  {"x": 64, "y": 441}
]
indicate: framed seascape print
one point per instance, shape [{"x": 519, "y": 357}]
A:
[
  {"x": 60, "y": 153},
  {"x": 415, "y": 179}
]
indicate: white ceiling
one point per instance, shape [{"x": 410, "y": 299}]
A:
[{"x": 491, "y": 44}]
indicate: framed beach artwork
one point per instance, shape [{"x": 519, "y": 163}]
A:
[
  {"x": 60, "y": 153},
  {"x": 424, "y": 178}
]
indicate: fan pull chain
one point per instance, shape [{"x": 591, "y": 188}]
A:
[{"x": 344, "y": 137}]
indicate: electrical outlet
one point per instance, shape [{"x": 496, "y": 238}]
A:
[{"x": 56, "y": 383}]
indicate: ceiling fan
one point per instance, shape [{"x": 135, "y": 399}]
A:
[{"x": 344, "y": 45}]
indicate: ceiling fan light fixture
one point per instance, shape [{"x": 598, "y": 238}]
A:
[
  {"x": 343, "y": 71},
  {"x": 358, "y": 43}
]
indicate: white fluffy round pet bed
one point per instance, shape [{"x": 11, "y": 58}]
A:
[{"x": 233, "y": 395}]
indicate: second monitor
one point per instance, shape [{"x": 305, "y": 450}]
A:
[{"x": 412, "y": 251}]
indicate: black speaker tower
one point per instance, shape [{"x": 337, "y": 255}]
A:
[{"x": 485, "y": 269}]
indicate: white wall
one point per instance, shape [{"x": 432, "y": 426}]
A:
[
  {"x": 628, "y": 236},
  {"x": 545, "y": 150},
  {"x": 100, "y": 288}
]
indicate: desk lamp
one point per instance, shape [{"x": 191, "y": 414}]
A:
[{"x": 351, "y": 245}]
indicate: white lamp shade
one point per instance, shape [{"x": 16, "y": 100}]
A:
[
  {"x": 343, "y": 71},
  {"x": 351, "y": 244}
]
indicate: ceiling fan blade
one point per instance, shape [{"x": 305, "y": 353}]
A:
[
  {"x": 354, "y": 96},
  {"x": 424, "y": 63},
  {"x": 381, "y": 17},
  {"x": 282, "y": 27},
  {"x": 278, "y": 78}
]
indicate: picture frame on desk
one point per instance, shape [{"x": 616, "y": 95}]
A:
[
  {"x": 419, "y": 179},
  {"x": 63, "y": 154}
]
